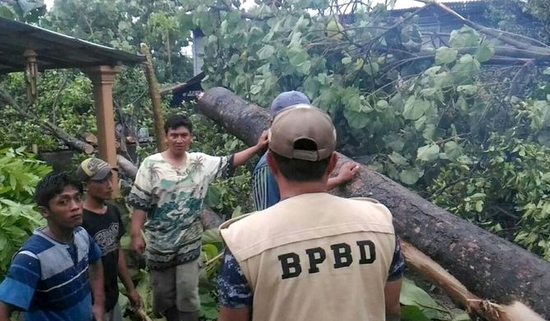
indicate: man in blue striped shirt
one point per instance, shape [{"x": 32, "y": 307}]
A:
[
  {"x": 264, "y": 186},
  {"x": 55, "y": 273}
]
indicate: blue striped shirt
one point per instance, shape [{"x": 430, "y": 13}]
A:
[
  {"x": 264, "y": 186},
  {"x": 49, "y": 280}
]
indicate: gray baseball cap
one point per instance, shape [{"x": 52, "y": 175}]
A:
[
  {"x": 287, "y": 99},
  {"x": 302, "y": 122},
  {"x": 94, "y": 169}
]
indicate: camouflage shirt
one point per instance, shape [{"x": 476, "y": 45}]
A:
[{"x": 173, "y": 200}]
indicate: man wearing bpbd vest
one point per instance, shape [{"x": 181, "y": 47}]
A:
[{"x": 312, "y": 256}]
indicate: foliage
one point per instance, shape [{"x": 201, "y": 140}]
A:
[
  {"x": 19, "y": 173},
  {"x": 417, "y": 119},
  {"x": 438, "y": 121},
  {"x": 212, "y": 250},
  {"x": 64, "y": 99},
  {"x": 418, "y": 305},
  {"x": 22, "y": 10},
  {"x": 125, "y": 24},
  {"x": 504, "y": 185}
]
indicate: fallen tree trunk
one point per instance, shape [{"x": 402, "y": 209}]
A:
[
  {"x": 487, "y": 265},
  {"x": 475, "y": 306}
]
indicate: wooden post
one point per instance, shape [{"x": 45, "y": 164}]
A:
[
  {"x": 102, "y": 78},
  {"x": 155, "y": 98}
]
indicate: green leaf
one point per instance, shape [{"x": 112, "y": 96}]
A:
[
  {"x": 445, "y": 55},
  {"x": 415, "y": 108},
  {"x": 462, "y": 317},
  {"x": 211, "y": 236},
  {"x": 465, "y": 69},
  {"x": 466, "y": 37},
  {"x": 356, "y": 119},
  {"x": 266, "y": 52},
  {"x": 371, "y": 69},
  {"x": 346, "y": 60},
  {"x": 304, "y": 67},
  {"x": 394, "y": 141},
  {"x": 485, "y": 52},
  {"x": 412, "y": 313},
  {"x": 467, "y": 89},
  {"x": 297, "y": 56},
  {"x": 429, "y": 132},
  {"x": 428, "y": 153},
  {"x": 398, "y": 159},
  {"x": 237, "y": 212},
  {"x": 255, "y": 89},
  {"x": 452, "y": 150},
  {"x": 210, "y": 251},
  {"x": 6, "y": 11},
  {"x": 409, "y": 176},
  {"x": 412, "y": 295},
  {"x": 382, "y": 105}
]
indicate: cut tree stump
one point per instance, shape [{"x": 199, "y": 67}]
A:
[{"x": 489, "y": 266}]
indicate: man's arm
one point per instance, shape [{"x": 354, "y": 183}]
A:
[
  {"x": 392, "y": 292},
  {"x": 346, "y": 173},
  {"x": 125, "y": 278},
  {"x": 243, "y": 156},
  {"x": 234, "y": 292},
  {"x": 242, "y": 314},
  {"x": 138, "y": 219},
  {"x": 392, "y": 289},
  {"x": 5, "y": 311},
  {"x": 18, "y": 287},
  {"x": 98, "y": 293}
]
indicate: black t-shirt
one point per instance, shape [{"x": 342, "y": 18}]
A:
[{"x": 107, "y": 230}]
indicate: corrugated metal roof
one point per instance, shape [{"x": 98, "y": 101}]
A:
[
  {"x": 54, "y": 50},
  {"x": 459, "y": 6}
]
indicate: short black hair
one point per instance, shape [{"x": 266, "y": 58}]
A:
[
  {"x": 177, "y": 121},
  {"x": 298, "y": 170},
  {"x": 53, "y": 184}
]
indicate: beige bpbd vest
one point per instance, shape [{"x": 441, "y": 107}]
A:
[{"x": 315, "y": 257}]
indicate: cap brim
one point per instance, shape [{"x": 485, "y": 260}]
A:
[{"x": 102, "y": 174}]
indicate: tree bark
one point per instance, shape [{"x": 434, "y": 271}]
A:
[
  {"x": 90, "y": 138},
  {"x": 460, "y": 294},
  {"x": 487, "y": 265}
]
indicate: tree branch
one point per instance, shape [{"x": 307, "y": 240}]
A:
[{"x": 7, "y": 99}]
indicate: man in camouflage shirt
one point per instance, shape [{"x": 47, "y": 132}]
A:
[{"x": 167, "y": 198}]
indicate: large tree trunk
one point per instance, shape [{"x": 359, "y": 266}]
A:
[{"x": 487, "y": 265}]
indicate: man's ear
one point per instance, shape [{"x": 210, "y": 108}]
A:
[
  {"x": 332, "y": 163},
  {"x": 44, "y": 211},
  {"x": 272, "y": 163}
]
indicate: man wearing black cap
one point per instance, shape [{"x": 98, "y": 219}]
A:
[
  {"x": 313, "y": 255},
  {"x": 103, "y": 222},
  {"x": 264, "y": 186}
]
